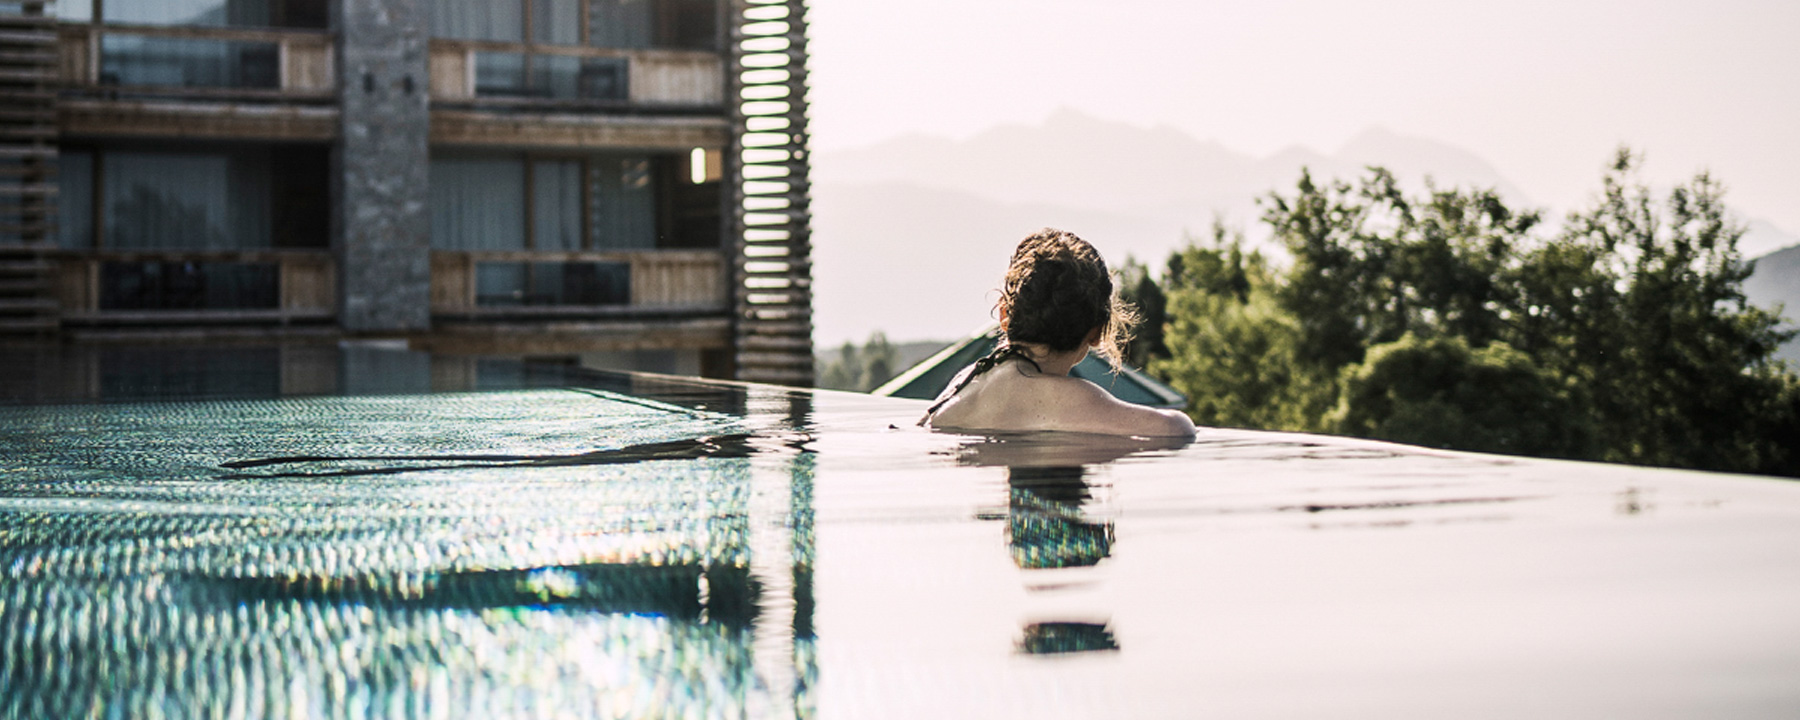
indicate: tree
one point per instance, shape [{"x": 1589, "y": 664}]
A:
[
  {"x": 1640, "y": 304},
  {"x": 843, "y": 373},
  {"x": 1232, "y": 350},
  {"x": 879, "y": 361},
  {"x": 860, "y": 369},
  {"x": 1371, "y": 264},
  {"x": 1141, "y": 291},
  {"x": 1438, "y": 392},
  {"x": 1448, "y": 318}
]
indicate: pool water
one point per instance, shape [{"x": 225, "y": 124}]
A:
[{"x": 594, "y": 545}]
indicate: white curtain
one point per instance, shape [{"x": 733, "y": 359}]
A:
[
  {"x": 556, "y": 22},
  {"x": 620, "y": 23},
  {"x": 624, "y": 196},
  {"x": 75, "y": 200},
  {"x": 556, "y": 205},
  {"x": 191, "y": 201},
  {"x": 75, "y": 10},
  {"x": 498, "y": 20},
  {"x": 477, "y": 203},
  {"x": 206, "y": 13}
]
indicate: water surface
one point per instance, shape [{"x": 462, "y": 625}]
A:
[{"x": 589, "y": 545}]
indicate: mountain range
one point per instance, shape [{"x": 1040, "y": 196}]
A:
[
  {"x": 1079, "y": 161},
  {"x": 1777, "y": 282},
  {"x": 913, "y": 234}
]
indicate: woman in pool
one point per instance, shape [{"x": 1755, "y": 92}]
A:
[{"x": 1057, "y": 304}]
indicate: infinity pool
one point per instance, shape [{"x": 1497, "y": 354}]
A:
[{"x": 581, "y": 544}]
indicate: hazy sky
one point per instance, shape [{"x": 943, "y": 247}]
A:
[{"x": 1542, "y": 89}]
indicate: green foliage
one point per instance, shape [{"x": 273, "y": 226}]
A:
[
  {"x": 1236, "y": 363},
  {"x": 1231, "y": 347},
  {"x": 1656, "y": 328},
  {"x": 860, "y": 369},
  {"x": 1438, "y": 393},
  {"x": 1449, "y": 319},
  {"x": 1371, "y": 264},
  {"x": 1139, "y": 290}
]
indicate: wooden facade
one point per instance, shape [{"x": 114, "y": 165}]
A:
[{"x": 744, "y": 305}]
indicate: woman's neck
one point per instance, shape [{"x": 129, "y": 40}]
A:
[{"x": 1052, "y": 362}]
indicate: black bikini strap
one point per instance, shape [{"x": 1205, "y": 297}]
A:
[{"x": 990, "y": 361}]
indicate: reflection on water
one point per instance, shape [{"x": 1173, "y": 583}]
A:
[
  {"x": 526, "y": 554},
  {"x": 1058, "y": 449},
  {"x": 569, "y": 544},
  {"x": 1046, "y": 527},
  {"x": 736, "y": 445},
  {"x": 58, "y": 374},
  {"x": 1051, "y": 518},
  {"x": 1056, "y": 638}
]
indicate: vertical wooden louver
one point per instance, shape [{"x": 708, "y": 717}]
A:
[
  {"x": 769, "y": 192},
  {"x": 28, "y": 76}
]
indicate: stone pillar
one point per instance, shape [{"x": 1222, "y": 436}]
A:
[{"x": 381, "y": 232}]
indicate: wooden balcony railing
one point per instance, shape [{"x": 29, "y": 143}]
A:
[
  {"x": 121, "y": 286},
  {"x": 304, "y": 64},
  {"x": 664, "y": 79},
  {"x": 656, "y": 281}
]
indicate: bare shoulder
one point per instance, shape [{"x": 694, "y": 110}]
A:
[
  {"x": 1008, "y": 401},
  {"x": 1093, "y": 409}
]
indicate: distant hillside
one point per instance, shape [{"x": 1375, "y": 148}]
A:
[
  {"x": 1761, "y": 237},
  {"x": 1777, "y": 282},
  {"x": 918, "y": 263},
  {"x": 911, "y": 235},
  {"x": 1079, "y": 161},
  {"x": 906, "y": 354}
]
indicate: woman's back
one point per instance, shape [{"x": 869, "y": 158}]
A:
[
  {"x": 1057, "y": 303},
  {"x": 1015, "y": 396}
]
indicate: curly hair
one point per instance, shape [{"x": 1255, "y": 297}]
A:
[{"x": 1057, "y": 291}]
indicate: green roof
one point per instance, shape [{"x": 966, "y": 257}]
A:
[{"x": 928, "y": 378}]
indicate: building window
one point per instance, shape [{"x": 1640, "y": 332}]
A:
[
  {"x": 188, "y": 62},
  {"x": 75, "y": 11},
  {"x": 669, "y": 24},
  {"x": 617, "y": 24},
  {"x": 218, "y": 198},
  {"x": 491, "y": 20},
  {"x": 500, "y": 74},
  {"x": 131, "y": 59},
  {"x": 687, "y": 24},
  {"x": 556, "y": 205},
  {"x": 624, "y": 203},
  {"x": 75, "y": 201},
  {"x": 523, "y": 284},
  {"x": 477, "y": 203},
  {"x": 162, "y": 201},
  {"x": 600, "y": 202},
  {"x": 514, "y": 206},
  {"x": 203, "y": 13},
  {"x": 620, "y": 23},
  {"x": 566, "y": 77},
  {"x": 559, "y": 49},
  {"x": 188, "y": 285},
  {"x": 556, "y": 22},
  {"x": 556, "y": 77}
]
